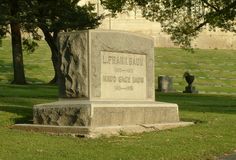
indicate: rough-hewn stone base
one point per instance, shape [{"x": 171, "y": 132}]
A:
[
  {"x": 96, "y": 118},
  {"x": 104, "y": 113},
  {"x": 93, "y": 132}
]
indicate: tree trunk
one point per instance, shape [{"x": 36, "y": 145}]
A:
[
  {"x": 54, "y": 53},
  {"x": 18, "y": 65},
  {"x": 55, "y": 62}
]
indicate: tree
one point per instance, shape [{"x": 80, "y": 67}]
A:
[
  {"x": 55, "y": 16},
  {"x": 183, "y": 19},
  {"x": 51, "y": 17},
  {"x": 10, "y": 15}
]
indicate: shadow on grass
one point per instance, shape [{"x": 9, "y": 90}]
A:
[
  {"x": 24, "y": 114},
  {"x": 28, "y": 91},
  {"x": 19, "y": 99},
  {"x": 195, "y": 121},
  {"x": 201, "y": 103}
]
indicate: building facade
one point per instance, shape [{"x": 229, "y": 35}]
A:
[{"x": 134, "y": 22}]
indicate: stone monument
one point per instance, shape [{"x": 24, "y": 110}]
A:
[
  {"x": 165, "y": 84},
  {"x": 189, "y": 79},
  {"x": 106, "y": 86}
]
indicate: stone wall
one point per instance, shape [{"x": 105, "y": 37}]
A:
[
  {"x": 133, "y": 21},
  {"x": 206, "y": 40}
]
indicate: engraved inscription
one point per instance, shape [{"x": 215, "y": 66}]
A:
[{"x": 123, "y": 76}]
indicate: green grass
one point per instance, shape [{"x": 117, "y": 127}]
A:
[
  {"x": 213, "y": 135},
  {"x": 38, "y": 66},
  {"x": 215, "y": 70}
]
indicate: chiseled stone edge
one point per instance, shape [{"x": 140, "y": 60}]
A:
[
  {"x": 73, "y": 77},
  {"x": 104, "y": 113},
  {"x": 94, "y": 132},
  {"x": 62, "y": 114}
]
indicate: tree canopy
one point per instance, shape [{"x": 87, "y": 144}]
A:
[
  {"x": 182, "y": 19},
  {"x": 51, "y": 17},
  {"x": 55, "y": 16}
]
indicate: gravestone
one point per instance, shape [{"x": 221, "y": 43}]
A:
[
  {"x": 106, "y": 86},
  {"x": 189, "y": 79},
  {"x": 165, "y": 84}
]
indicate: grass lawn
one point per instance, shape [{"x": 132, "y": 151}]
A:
[
  {"x": 215, "y": 70},
  {"x": 213, "y": 135},
  {"x": 38, "y": 66},
  {"x": 215, "y": 115}
]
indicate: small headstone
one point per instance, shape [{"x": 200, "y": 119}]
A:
[{"x": 165, "y": 84}]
